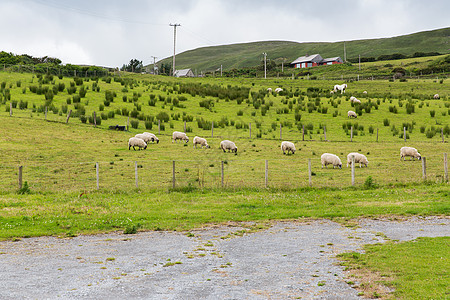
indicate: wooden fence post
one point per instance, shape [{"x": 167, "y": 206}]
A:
[
  {"x": 20, "y": 176},
  {"x": 222, "y": 173},
  {"x": 97, "y": 171},
  {"x": 128, "y": 123},
  {"x": 68, "y": 116},
  {"x": 325, "y": 133},
  {"x": 424, "y": 168},
  {"x": 445, "y": 168},
  {"x": 351, "y": 134},
  {"x": 442, "y": 134},
  {"x": 159, "y": 126},
  {"x": 353, "y": 170},
  {"x": 280, "y": 132},
  {"x": 95, "y": 120},
  {"x": 250, "y": 129},
  {"x": 136, "y": 173},
  {"x": 404, "y": 133},
  {"x": 184, "y": 126},
  {"x": 46, "y": 109},
  {"x": 173, "y": 174},
  {"x": 303, "y": 132},
  {"x": 309, "y": 172},
  {"x": 212, "y": 129},
  {"x": 377, "y": 134},
  {"x": 10, "y": 109},
  {"x": 266, "y": 174}
]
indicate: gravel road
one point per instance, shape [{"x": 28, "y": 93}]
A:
[{"x": 286, "y": 260}]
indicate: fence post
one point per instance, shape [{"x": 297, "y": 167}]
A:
[
  {"x": 250, "y": 129},
  {"x": 424, "y": 168},
  {"x": 351, "y": 134},
  {"x": 46, "y": 109},
  {"x": 184, "y": 126},
  {"x": 404, "y": 133},
  {"x": 309, "y": 172},
  {"x": 442, "y": 134},
  {"x": 95, "y": 120},
  {"x": 212, "y": 129},
  {"x": 377, "y": 134},
  {"x": 10, "y": 109},
  {"x": 325, "y": 133},
  {"x": 222, "y": 173},
  {"x": 280, "y": 132},
  {"x": 68, "y": 116},
  {"x": 173, "y": 174},
  {"x": 128, "y": 123},
  {"x": 353, "y": 170},
  {"x": 445, "y": 168},
  {"x": 136, "y": 173},
  {"x": 159, "y": 126},
  {"x": 266, "y": 174},
  {"x": 303, "y": 132},
  {"x": 20, "y": 177},
  {"x": 97, "y": 171}
]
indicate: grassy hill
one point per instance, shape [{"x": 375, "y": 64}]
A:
[{"x": 250, "y": 54}]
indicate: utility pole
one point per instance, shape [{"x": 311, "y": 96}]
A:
[
  {"x": 282, "y": 64},
  {"x": 345, "y": 54},
  {"x": 220, "y": 70},
  {"x": 154, "y": 64},
  {"x": 265, "y": 59},
  {"x": 174, "y": 43},
  {"x": 359, "y": 61}
]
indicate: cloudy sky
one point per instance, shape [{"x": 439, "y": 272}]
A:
[{"x": 112, "y": 32}]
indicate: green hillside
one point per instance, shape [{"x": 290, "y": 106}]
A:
[{"x": 250, "y": 54}]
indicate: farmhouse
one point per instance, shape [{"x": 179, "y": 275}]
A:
[
  {"x": 184, "y": 73},
  {"x": 308, "y": 61}
]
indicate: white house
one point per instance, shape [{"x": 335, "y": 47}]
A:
[{"x": 184, "y": 73}]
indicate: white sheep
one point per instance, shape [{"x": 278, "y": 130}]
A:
[
  {"x": 287, "y": 146},
  {"x": 136, "y": 142},
  {"x": 409, "y": 151},
  {"x": 177, "y": 135},
  {"x": 359, "y": 158},
  {"x": 330, "y": 159},
  {"x": 269, "y": 90},
  {"x": 147, "y": 137},
  {"x": 341, "y": 87},
  {"x": 332, "y": 92},
  {"x": 200, "y": 141},
  {"x": 354, "y": 100},
  {"x": 436, "y": 96},
  {"x": 228, "y": 145},
  {"x": 352, "y": 114},
  {"x": 365, "y": 92},
  {"x": 153, "y": 137},
  {"x": 277, "y": 90}
]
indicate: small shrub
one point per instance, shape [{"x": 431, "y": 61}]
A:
[
  {"x": 432, "y": 113},
  {"x": 134, "y": 124},
  {"x": 25, "y": 189}
]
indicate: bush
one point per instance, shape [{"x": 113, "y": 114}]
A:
[
  {"x": 148, "y": 125},
  {"x": 134, "y": 124},
  {"x": 163, "y": 116},
  {"x": 386, "y": 122},
  {"x": 432, "y": 113}
]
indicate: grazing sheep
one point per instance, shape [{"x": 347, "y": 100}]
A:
[
  {"x": 330, "y": 159},
  {"x": 228, "y": 145},
  {"x": 436, "y": 96},
  {"x": 332, "y": 92},
  {"x": 365, "y": 92},
  {"x": 359, "y": 158},
  {"x": 352, "y": 114},
  {"x": 341, "y": 87},
  {"x": 177, "y": 135},
  {"x": 200, "y": 141},
  {"x": 269, "y": 90},
  {"x": 136, "y": 142},
  {"x": 287, "y": 146},
  {"x": 409, "y": 151},
  {"x": 354, "y": 100},
  {"x": 277, "y": 90},
  {"x": 153, "y": 137}
]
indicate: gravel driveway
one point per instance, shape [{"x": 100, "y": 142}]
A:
[{"x": 287, "y": 260}]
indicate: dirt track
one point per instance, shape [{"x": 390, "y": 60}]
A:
[{"x": 286, "y": 261}]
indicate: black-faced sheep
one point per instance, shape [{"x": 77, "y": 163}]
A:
[
  {"x": 409, "y": 151},
  {"x": 287, "y": 146},
  {"x": 177, "y": 135},
  {"x": 136, "y": 142},
  {"x": 330, "y": 159},
  {"x": 228, "y": 145}
]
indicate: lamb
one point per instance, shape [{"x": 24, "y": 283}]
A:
[
  {"x": 200, "y": 141},
  {"x": 147, "y": 137},
  {"x": 359, "y": 158},
  {"x": 136, "y": 142},
  {"x": 330, "y": 159},
  {"x": 352, "y": 114},
  {"x": 287, "y": 146},
  {"x": 228, "y": 145},
  {"x": 436, "y": 96},
  {"x": 409, "y": 151},
  {"x": 341, "y": 87},
  {"x": 176, "y": 135},
  {"x": 277, "y": 90},
  {"x": 354, "y": 100}
]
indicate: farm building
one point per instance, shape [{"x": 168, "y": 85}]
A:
[
  {"x": 184, "y": 73},
  {"x": 314, "y": 60}
]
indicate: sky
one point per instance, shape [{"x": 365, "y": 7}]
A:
[{"x": 112, "y": 32}]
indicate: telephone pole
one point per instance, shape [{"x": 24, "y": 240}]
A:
[
  {"x": 154, "y": 64},
  {"x": 174, "y": 43},
  {"x": 265, "y": 65}
]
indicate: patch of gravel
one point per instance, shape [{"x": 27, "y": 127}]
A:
[{"x": 287, "y": 260}]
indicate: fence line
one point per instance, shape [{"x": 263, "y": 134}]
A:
[{"x": 184, "y": 173}]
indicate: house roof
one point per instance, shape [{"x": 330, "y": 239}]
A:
[
  {"x": 182, "y": 72},
  {"x": 337, "y": 58},
  {"x": 308, "y": 58}
]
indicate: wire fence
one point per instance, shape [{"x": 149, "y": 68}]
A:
[{"x": 233, "y": 173}]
